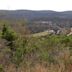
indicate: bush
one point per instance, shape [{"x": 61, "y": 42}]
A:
[
  {"x": 9, "y": 35},
  {"x": 1, "y": 68}
]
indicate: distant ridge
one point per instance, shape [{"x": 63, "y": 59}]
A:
[{"x": 31, "y": 14}]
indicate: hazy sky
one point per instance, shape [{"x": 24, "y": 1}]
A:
[{"x": 57, "y": 5}]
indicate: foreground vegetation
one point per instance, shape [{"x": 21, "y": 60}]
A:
[{"x": 19, "y": 53}]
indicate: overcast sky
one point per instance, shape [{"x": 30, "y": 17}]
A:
[{"x": 56, "y": 5}]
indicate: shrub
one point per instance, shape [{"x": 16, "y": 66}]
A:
[
  {"x": 1, "y": 68},
  {"x": 9, "y": 35}
]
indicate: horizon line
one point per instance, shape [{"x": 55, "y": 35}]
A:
[{"x": 31, "y": 10}]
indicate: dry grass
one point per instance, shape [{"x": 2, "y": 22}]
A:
[{"x": 40, "y": 68}]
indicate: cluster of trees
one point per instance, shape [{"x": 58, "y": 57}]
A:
[{"x": 41, "y": 25}]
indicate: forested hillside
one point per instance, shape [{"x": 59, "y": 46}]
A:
[{"x": 38, "y": 21}]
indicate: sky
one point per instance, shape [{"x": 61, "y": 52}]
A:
[{"x": 56, "y": 5}]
